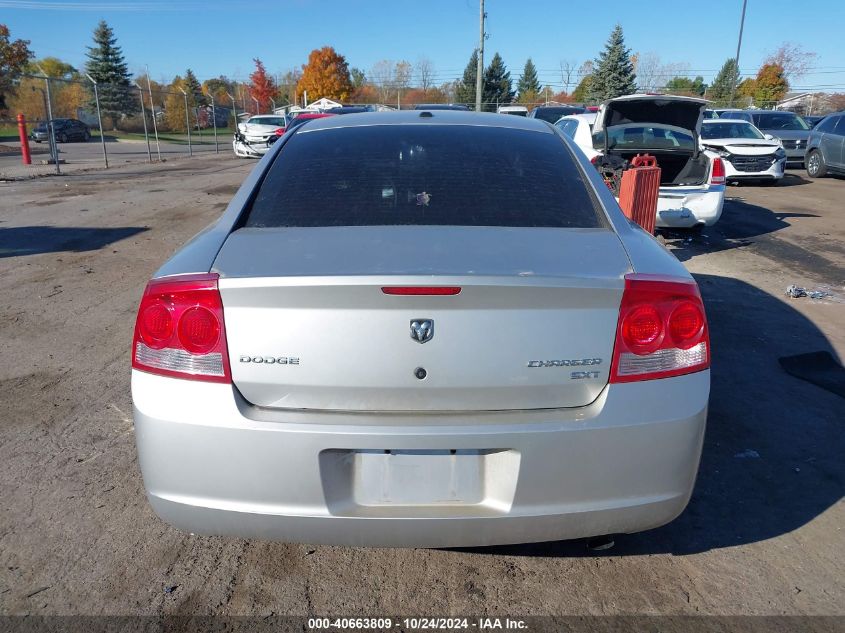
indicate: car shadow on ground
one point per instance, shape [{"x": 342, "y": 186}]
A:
[
  {"x": 788, "y": 180},
  {"x": 36, "y": 240},
  {"x": 772, "y": 458},
  {"x": 742, "y": 224}
]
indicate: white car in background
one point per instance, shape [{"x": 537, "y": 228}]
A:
[
  {"x": 747, "y": 153},
  {"x": 251, "y": 139},
  {"x": 517, "y": 110},
  {"x": 578, "y": 127},
  {"x": 692, "y": 179}
]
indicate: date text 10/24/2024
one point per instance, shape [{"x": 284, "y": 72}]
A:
[{"x": 418, "y": 623}]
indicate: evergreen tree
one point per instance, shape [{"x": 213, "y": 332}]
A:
[
  {"x": 498, "y": 88},
  {"x": 528, "y": 85},
  {"x": 108, "y": 68},
  {"x": 614, "y": 71},
  {"x": 194, "y": 89},
  {"x": 465, "y": 90},
  {"x": 720, "y": 90}
]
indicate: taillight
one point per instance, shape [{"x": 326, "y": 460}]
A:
[
  {"x": 662, "y": 330},
  {"x": 280, "y": 131},
  {"x": 180, "y": 329},
  {"x": 717, "y": 172}
]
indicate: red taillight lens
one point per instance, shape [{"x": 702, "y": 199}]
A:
[
  {"x": 642, "y": 329},
  {"x": 421, "y": 290},
  {"x": 280, "y": 131},
  {"x": 180, "y": 329},
  {"x": 717, "y": 173},
  {"x": 199, "y": 330},
  {"x": 685, "y": 324},
  {"x": 155, "y": 325},
  {"x": 662, "y": 330}
]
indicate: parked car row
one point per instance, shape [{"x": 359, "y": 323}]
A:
[
  {"x": 790, "y": 128},
  {"x": 692, "y": 177},
  {"x": 751, "y": 145}
]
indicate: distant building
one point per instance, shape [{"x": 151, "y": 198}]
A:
[{"x": 805, "y": 103}]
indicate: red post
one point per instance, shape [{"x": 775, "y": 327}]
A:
[{"x": 27, "y": 159}]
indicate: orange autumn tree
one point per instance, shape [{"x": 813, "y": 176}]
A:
[
  {"x": 262, "y": 87},
  {"x": 325, "y": 75}
]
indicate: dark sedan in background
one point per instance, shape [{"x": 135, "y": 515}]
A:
[
  {"x": 553, "y": 113},
  {"x": 66, "y": 130}
]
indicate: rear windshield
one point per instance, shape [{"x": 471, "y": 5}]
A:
[
  {"x": 780, "y": 121},
  {"x": 423, "y": 175},
  {"x": 553, "y": 114},
  {"x": 634, "y": 136},
  {"x": 267, "y": 120}
]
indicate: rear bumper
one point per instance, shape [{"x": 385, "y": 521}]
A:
[
  {"x": 249, "y": 150},
  {"x": 686, "y": 207},
  {"x": 213, "y": 464}
]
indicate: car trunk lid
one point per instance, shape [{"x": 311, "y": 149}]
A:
[
  {"x": 681, "y": 112},
  {"x": 309, "y": 325}
]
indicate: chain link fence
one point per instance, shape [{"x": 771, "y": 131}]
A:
[{"x": 87, "y": 124}]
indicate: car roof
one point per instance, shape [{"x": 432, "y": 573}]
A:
[
  {"x": 589, "y": 117},
  {"x": 721, "y": 120},
  {"x": 430, "y": 117},
  {"x": 441, "y": 106}
]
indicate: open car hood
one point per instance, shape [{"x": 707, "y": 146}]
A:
[{"x": 681, "y": 112}]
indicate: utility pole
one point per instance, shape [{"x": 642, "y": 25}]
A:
[
  {"x": 479, "y": 82},
  {"x": 738, "y": 46}
]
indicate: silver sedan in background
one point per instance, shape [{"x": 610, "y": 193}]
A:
[{"x": 421, "y": 328}]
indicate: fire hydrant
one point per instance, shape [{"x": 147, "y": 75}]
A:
[{"x": 25, "y": 156}]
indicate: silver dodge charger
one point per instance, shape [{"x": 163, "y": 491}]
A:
[{"x": 422, "y": 328}]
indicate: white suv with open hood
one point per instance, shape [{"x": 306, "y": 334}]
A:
[{"x": 692, "y": 179}]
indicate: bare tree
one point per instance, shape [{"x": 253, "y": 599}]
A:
[
  {"x": 382, "y": 75},
  {"x": 402, "y": 75},
  {"x": 647, "y": 68},
  {"x": 653, "y": 74},
  {"x": 425, "y": 72},
  {"x": 567, "y": 71},
  {"x": 585, "y": 69},
  {"x": 796, "y": 62}
]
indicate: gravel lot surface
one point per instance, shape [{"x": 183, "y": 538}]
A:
[{"x": 762, "y": 535}]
